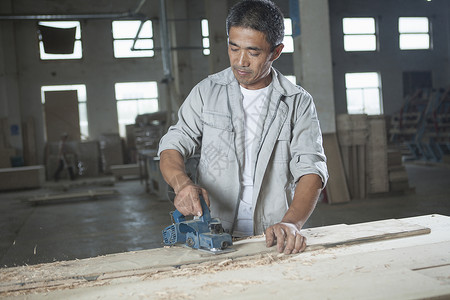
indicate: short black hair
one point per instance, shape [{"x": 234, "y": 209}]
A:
[{"x": 260, "y": 15}]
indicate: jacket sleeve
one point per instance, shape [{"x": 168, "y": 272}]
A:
[
  {"x": 185, "y": 136},
  {"x": 308, "y": 156}
]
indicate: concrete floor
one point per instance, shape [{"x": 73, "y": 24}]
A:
[{"x": 133, "y": 220}]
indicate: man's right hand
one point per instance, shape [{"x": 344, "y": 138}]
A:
[
  {"x": 173, "y": 170},
  {"x": 187, "y": 200}
]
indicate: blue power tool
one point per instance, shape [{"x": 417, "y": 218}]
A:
[{"x": 203, "y": 233}]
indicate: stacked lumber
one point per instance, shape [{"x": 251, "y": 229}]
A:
[
  {"x": 363, "y": 144},
  {"x": 353, "y": 135},
  {"x": 336, "y": 189},
  {"x": 377, "y": 158},
  {"x": 398, "y": 178}
]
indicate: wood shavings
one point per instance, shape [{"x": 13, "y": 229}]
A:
[
  {"x": 253, "y": 237},
  {"x": 214, "y": 267},
  {"x": 241, "y": 285},
  {"x": 225, "y": 262},
  {"x": 173, "y": 295}
]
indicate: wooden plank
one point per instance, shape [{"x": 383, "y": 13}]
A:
[
  {"x": 337, "y": 189},
  {"x": 355, "y": 178},
  {"x": 362, "y": 171},
  {"x": 72, "y": 196},
  {"x": 61, "y": 115},
  {"x": 377, "y": 160},
  {"x": 62, "y": 274},
  {"x": 383, "y": 274}
]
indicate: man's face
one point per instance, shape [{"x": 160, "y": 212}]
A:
[{"x": 250, "y": 57}]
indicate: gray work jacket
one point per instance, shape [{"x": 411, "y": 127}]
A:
[{"x": 288, "y": 145}]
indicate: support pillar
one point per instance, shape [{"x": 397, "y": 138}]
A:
[{"x": 312, "y": 59}]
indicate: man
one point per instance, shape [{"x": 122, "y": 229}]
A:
[
  {"x": 62, "y": 159},
  {"x": 262, "y": 165}
]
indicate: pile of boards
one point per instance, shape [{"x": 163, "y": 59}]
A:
[{"x": 370, "y": 167}]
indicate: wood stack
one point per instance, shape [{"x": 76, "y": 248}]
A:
[
  {"x": 377, "y": 157},
  {"x": 398, "y": 178},
  {"x": 363, "y": 144},
  {"x": 336, "y": 189},
  {"x": 353, "y": 136}
]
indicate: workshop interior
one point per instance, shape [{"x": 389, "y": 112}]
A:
[{"x": 107, "y": 78}]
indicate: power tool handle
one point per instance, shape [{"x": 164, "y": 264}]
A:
[
  {"x": 179, "y": 217},
  {"x": 205, "y": 209}
]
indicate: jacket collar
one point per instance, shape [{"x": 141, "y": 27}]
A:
[{"x": 280, "y": 83}]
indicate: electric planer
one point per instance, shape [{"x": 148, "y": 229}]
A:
[{"x": 203, "y": 233}]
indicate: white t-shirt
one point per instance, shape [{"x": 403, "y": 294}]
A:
[{"x": 252, "y": 103}]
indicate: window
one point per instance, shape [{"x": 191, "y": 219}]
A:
[
  {"x": 133, "y": 99},
  {"x": 82, "y": 109},
  {"x": 414, "y": 33},
  {"x": 53, "y": 40},
  {"x": 133, "y": 39},
  {"x": 359, "y": 34},
  {"x": 205, "y": 37},
  {"x": 363, "y": 93}
]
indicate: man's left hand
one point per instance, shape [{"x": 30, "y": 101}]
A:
[{"x": 287, "y": 237}]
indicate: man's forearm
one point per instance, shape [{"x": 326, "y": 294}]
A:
[
  {"x": 306, "y": 194},
  {"x": 173, "y": 169}
]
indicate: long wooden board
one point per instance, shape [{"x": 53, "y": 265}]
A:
[
  {"x": 337, "y": 189},
  {"x": 71, "y": 196},
  {"x": 141, "y": 263}
]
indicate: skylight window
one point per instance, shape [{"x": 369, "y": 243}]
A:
[
  {"x": 133, "y": 38},
  {"x": 60, "y": 40}
]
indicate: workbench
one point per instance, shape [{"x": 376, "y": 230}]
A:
[{"x": 390, "y": 259}]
